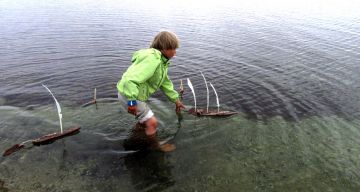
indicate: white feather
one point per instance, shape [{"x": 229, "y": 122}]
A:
[
  {"x": 95, "y": 94},
  {"x": 57, "y": 106},
  {"x": 192, "y": 90},
  {"x": 207, "y": 93},
  {"x": 217, "y": 98}
]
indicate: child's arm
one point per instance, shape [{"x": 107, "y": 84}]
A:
[{"x": 168, "y": 88}]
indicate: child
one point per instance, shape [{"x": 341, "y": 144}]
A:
[{"x": 147, "y": 74}]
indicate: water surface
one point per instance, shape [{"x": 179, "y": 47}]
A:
[{"x": 289, "y": 69}]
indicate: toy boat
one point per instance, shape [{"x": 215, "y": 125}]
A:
[
  {"x": 43, "y": 140},
  {"x": 50, "y": 138},
  {"x": 101, "y": 100},
  {"x": 211, "y": 112}
]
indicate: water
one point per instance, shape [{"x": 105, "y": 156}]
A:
[{"x": 289, "y": 69}]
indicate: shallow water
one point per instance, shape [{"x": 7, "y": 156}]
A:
[{"x": 290, "y": 70}]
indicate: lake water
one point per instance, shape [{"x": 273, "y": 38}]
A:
[{"x": 291, "y": 70}]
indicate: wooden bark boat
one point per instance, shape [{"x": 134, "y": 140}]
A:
[
  {"x": 44, "y": 140},
  {"x": 50, "y": 138},
  {"x": 211, "y": 112},
  {"x": 101, "y": 100},
  {"x": 89, "y": 103}
]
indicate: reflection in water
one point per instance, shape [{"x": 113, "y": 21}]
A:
[
  {"x": 64, "y": 155},
  {"x": 149, "y": 168},
  {"x": 138, "y": 140},
  {"x": 2, "y": 188}
]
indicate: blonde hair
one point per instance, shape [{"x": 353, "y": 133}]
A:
[{"x": 165, "y": 40}]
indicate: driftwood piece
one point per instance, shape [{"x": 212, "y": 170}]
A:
[{"x": 211, "y": 112}]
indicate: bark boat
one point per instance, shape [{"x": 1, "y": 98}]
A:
[
  {"x": 211, "y": 112},
  {"x": 43, "y": 140},
  {"x": 101, "y": 100},
  {"x": 50, "y": 138}
]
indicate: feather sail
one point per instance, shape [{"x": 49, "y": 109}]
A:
[
  {"x": 217, "y": 98},
  {"x": 57, "y": 106},
  {"x": 192, "y": 90}
]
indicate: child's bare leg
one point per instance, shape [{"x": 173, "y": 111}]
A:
[{"x": 151, "y": 126}]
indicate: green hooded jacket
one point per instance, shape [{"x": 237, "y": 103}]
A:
[{"x": 148, "y": 73}]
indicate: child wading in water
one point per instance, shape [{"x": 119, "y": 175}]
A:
[{"x": 147, "y": 74}]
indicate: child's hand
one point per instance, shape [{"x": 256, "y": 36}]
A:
[
  {"x": 132, "y": 109},
  {"x": 179, "y": 106}
]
